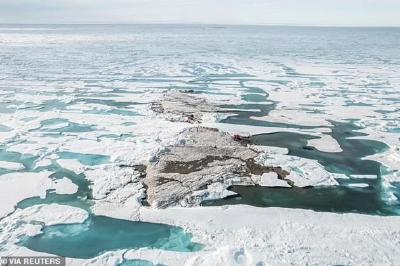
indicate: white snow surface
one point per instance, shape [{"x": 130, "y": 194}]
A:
[
  {"x": 244, "y": 235},
  {"x": 15, "y": 187}
]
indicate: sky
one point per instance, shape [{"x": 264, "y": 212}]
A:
[{"x": 246, "y": 12}]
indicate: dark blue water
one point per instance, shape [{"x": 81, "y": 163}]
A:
[{"x": 342, "y": 198}]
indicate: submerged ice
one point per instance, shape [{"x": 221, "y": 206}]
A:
[{"x": 99, "y": 234}]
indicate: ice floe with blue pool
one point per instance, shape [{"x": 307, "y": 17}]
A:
[{"x": 99, "y": 234}]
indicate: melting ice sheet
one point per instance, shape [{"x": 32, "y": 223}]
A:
[{"x": 82, "y": 93}]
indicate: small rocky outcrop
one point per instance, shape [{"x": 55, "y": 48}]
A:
[
  {"x": 183, "y": 107},
  {"x": 202, "y": 165}
]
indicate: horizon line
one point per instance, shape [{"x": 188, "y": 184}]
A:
[{"x": 200, "y": 24}]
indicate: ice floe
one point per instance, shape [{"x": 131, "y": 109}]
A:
[
  {"x": 13, "y": 166},
  {"x": 15, "y": 187},
  {"x": 29, "y": 222}
]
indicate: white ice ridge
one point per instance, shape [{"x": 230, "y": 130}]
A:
[
  {"x": 116, "y": 190},
  {"x": 109, "y": 178}
]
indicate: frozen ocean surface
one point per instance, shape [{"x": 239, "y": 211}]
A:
[{"x": 74, "y": 102}]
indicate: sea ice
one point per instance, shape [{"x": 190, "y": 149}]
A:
[
  {"x": 15, "y": 187},
  {"x": 13, "y": 166}
]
